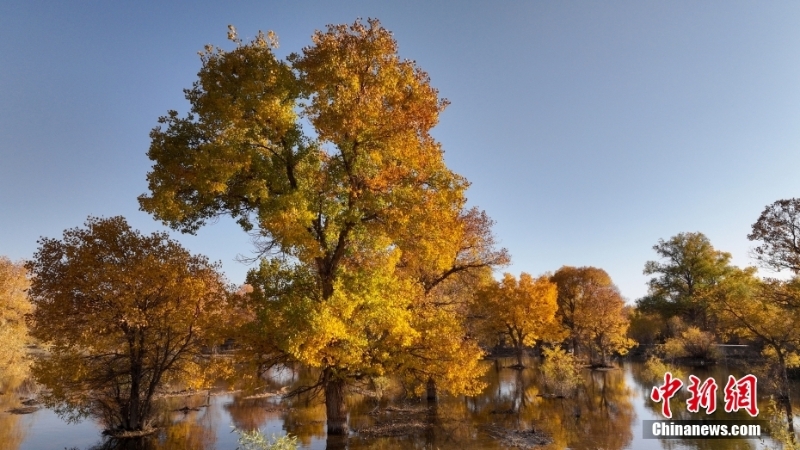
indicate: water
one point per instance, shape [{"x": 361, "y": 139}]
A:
[{"x": 606, "y": 413}]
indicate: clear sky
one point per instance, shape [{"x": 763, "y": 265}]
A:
[{"x": 589, "y": 130}]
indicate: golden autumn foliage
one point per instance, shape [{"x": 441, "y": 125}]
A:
[
  {"x": 692, "y": 343},
  {"x": 14, "y": 304},
  {"x": 14, "y": 363},
  {"x": 591, "y": 308},
  {"x": 523, "y": 311},
  {"x": 561, "y": 372},
  {"x": 766, "y": 312},
  {"x": 446, "y": 356},
  {"x": 358, "y": 218},
  {"x": 123, "y": 313}
]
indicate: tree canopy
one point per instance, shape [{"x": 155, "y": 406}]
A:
[
  {"x": 123, "y": 313},
  {"x": 778, "y": 229},
  {"x": 356, "y": 212},
  {"x": 14, "y": 305},
  {"x": 523, "y": 311},
  {"x": 689, "y": 270},
  {"x": 591, "y": 308},
  {"x": 766, "y": 312}
]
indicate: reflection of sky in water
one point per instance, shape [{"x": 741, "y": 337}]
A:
[
  {"x": 643, "y": 413},
  {"x": 46, "y": 431},
  {"x": 507, "y": 389},
  {"x": 511, "y": 399},
  {"x": 280, "y": 375}
]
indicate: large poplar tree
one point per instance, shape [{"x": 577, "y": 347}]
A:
[{"x": 327, "y": 158}]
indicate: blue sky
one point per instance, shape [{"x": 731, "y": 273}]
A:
[{"x": 589, "y": 130}]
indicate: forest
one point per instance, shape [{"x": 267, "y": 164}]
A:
[{"x": 371, "y": 272}]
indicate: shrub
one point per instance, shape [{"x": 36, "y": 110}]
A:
[
  {"x": 692, "y": 343},
  {"x": 560, "y": 372}
]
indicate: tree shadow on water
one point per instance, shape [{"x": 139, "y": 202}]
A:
[
  {"x": 109, "y": 443},
  {"x": 336, "y": 442}
]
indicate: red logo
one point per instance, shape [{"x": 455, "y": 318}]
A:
[
  {"x": 670, "y": 387},
  {"x": 741, "y": 394},
  {"x": 704, "y": 395}
]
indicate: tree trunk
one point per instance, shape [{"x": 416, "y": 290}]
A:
[
  {"x": 335, "y": 408},
  {"x": 430, "y": 390},
  {"x": 789, "y": 415},
  {"x": 520, "y": 351},
  {"x": 431, "y": 423},
  {"x": 336, "y": 442},
  {"x": 133, "y": 418},
  {"x": 787, "y": 399},
  {"x": 519, "y": 402}
]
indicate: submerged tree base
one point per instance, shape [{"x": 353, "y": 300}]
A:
[
  {"x": 127, "y": 434},
  {"x": 601, "y": 367}
]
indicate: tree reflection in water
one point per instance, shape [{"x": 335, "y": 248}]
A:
[
  {"x": 13, "y": 386},
  {"x": 598, "y": 415},
  {"x": 251, "y": 413},
  {"x": 605, "y": 412}
]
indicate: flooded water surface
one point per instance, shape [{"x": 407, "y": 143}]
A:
[{"x": 606, "y": 413}]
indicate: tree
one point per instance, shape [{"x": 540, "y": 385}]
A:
[
  {"x": 447, "y": 354},
  {"x": 646, "y": 328},
  {"x": 766, "y": 312},
  {"x": 124, "y": 314},
  {"x": 14, "y": 363},
  {"x": 523, "y": 311},
  {"x": 348, "y": 215},
  {"x": 14, "y": 305},
  {"x": 591, "y": 308},
  {"x": 689, "y": 270},
  {"x": 778, "y": 228}
]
